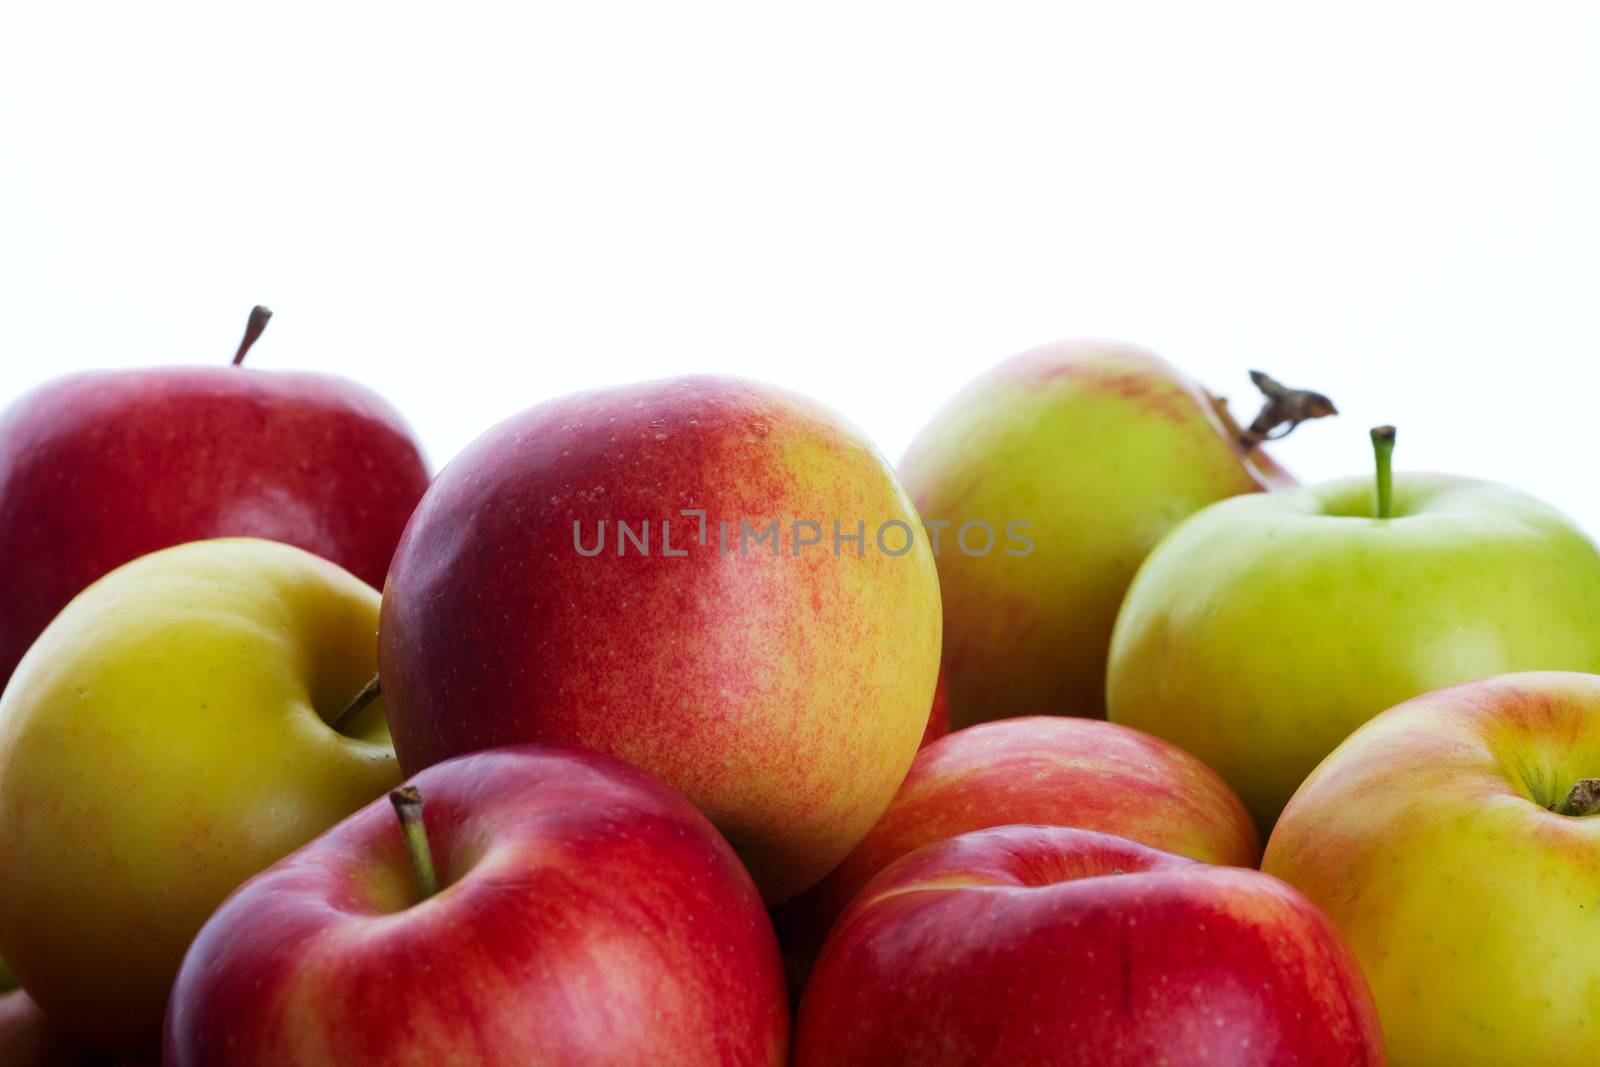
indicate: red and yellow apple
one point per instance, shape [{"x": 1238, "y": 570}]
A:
[
  {"x": 1455, "y": 839},
  {"x": 657, "y": 571},
  {"x": 1097, "y": 449},
  {"x": 1048, "y": 770},
  {"x": 1044, "y": 944},
  {"x": 165, "y": 738},
  {"x": 99, "y": 468},
  {"x": 586, "y": 915}
]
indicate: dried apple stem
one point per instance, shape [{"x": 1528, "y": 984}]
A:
[
  {"x": 1282, "y": 409},
  {"x": 357, "y": 705},
  {"x": 1582, "y": 799},
  {"x": 407, "y": 803},
  {"x": 252, "y": 331},
  {"x": 1383, "y": 452}
]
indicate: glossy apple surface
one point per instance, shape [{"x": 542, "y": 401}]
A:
[
  {"x": 100, "y": 468},
  {"x": 589, "y": 915},
  {"x": 1034, "y": 944},
  {"x": 783, "y": 688},
  {"x": 1044, "y": 770},
  {"x": 1267, "y": 628},
  {"x": 1430, "y": 840},
  {"x": 166, "y": 738},
  {"x": 1100, "y": 448}
]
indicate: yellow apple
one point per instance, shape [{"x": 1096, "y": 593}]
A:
[{"x": 165, "y": 738}]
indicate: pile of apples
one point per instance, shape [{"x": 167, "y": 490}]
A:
[{"x": 688, "y": 731}]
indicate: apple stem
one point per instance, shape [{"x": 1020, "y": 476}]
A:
[
  {"x": 358, "y": 703},
  {"x": 1282, "y": 409},
  {"x": 1230, "y": 425},
  {"x": 1582, "y": 799},
  {"x": 407, "y": 803},
  {"x": 1383, "y": 452},
  {"x": 252, "y": 331}
]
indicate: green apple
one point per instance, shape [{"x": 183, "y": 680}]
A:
[
  {"x": 1078, "y": 457},
  {"x": 1264, "y": 630},
  {"x": 1454, "y": 841},
  {"x": 165, "y": 738}
]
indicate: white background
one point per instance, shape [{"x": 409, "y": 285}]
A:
[{"x": 472, "y": 208}]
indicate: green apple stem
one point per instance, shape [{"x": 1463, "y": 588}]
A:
[
  {"x": 407, "y": 803},
  {"x": 358, "y": 703},
  {"x": 1383, "y": 452},
  {"x": 252, "y": 331},
  {"x": 1582, "y": 799}
]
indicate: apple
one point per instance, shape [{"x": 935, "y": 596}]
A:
[
  {"x": 1046, "y": 944},
  {"x": 1265, "y": 629},
  {"x": 1047, "y": 770},
  {"x": 559, "y": 907},
  {"x": 165, "y": 738},
  {"x": 593, "y": 571},
  {"x": 99, "y": 468},
  {"x": 1454, "y": 841},
  {"x": 1078, "y": 456}
]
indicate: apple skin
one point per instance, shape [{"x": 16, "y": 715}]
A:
[
  {"x": 783, "y": 695},
  {"x": 1045, "y": 770},
  {"x": 163, "y": 740},
  {"x": 1044, "y": 944},
  {"x": 1265, "y": 629},
  {"x": 589, "y": 915},
  {"x": 29, "y": 1039},
  {"x": 99, "y": 468},
  {"x": 1427, "y": 838},
  {"x": 1103, "y": 447}
]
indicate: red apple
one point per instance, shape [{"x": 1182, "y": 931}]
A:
[
  {"x": 28, "y": 1038},
  {"x": 1042, "y": 944},
  {"x": 782, "y": 685},
  {"x": 588, "y": 915},
  {"x": 99, "y": 468},
  {"x": 1043, "y": 769}
]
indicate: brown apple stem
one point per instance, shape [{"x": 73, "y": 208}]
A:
[
  {"x": 1230, "y": 425},
  {"x": 407, "y": 803},
  {"x": 1582, "y": 799},
  {"x": 357, "y": 705},
  {"x": 252, "y": 331},
  {"x": 1383, "y": 453},
  {"x": 1282, "y": 409}
]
